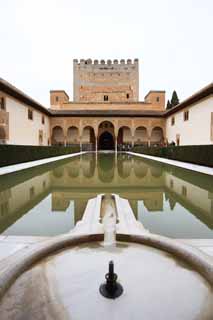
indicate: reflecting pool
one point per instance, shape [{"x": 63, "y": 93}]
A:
[{"x": 50, "y": 199}]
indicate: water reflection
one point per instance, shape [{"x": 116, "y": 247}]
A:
[
  {"x": 106, "y": 167},
  {"x": 166, "y": 199}
]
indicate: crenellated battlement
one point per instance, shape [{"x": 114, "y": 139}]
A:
[
  {"x": 105, "y": 80},
  {"x": 109, "y": 62}
]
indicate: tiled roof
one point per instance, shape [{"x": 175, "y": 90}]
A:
[
  {"x": 199, "y": 95},
  {"x": 21, "y": 96},
  {"x": 107, "y": 113}
]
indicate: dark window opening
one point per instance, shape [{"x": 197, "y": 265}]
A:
[
  {"x": 186, "y": 115},
  {"x": 157, "y": 99},
  {"x": 2, "y": 103},
  {"x": 127, "y": 95},
  {"x": 56, "y": 98},
  {"x": 43, "y": 119},
  {"x": 106, "y": 98},
  {"x": 30, "y": 114}
]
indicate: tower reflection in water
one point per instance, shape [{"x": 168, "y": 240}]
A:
[{"x": 167, "y": 200}]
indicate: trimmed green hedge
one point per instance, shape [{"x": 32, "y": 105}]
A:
[
  {"x": 198, "y": 154},
  {"x": 13, "y": 154}
]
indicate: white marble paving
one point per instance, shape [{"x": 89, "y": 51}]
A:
[
  {"x": 185, "y": 165},
  {"x": 31, "y": 164}
]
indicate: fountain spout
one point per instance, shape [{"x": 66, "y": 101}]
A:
[
  {"x": 109, "y": 220},
  {"x": 111, "y": 289}
]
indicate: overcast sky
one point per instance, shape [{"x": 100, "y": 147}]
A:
[{"x": 173, "y": 40}]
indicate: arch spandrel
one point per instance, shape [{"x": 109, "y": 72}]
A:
[
  {"x": 124, "y": 123},
  {"x": 113, "y": 121},
  {"x": 72, "y": 122}
]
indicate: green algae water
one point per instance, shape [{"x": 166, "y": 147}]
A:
[{"x": 49, "y": 200}]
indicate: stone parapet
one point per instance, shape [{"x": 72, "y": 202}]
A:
[{"x": 108, "y": 62}]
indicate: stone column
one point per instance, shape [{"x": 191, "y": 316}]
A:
[
  {"x": 96, "y": 149},
  {"x": 96, "y": 144},
  {"x": 116, "y": 130},
  {"x": 116, "y": 144},
  {"x": 80, "y": 133}
]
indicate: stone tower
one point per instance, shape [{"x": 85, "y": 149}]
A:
[{"x": 105, "y": 81}]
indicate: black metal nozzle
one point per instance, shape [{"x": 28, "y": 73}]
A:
[{"x": 111, "y": 288}]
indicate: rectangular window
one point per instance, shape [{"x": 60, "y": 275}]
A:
[
  {"x": 30, "y": 114},
  {"x": 127, "y": 95},
  {"x": 186, "y": 115},
  {"x": 157, "y": 99},
  {"x": 173, "y": 121},
  {"x": 106, "y": 98},
  {"x": 56, "y": 99},
  {"x": 2, "y": 103},
  {"x": 43, "y": 119}
]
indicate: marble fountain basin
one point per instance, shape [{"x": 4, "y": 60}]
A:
[{"x": 60, "y": 279}]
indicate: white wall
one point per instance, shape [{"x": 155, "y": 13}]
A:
[
  {"x": 22, "y": 130},
  {"x": 195, "y": 131}
]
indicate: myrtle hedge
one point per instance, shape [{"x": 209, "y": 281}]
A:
[
  {"x": 197, "y": 154},
  {"x": 13, "y": 154}
]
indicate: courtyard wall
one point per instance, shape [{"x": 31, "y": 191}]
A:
[
  {"x": 25, "y": 131},
  {"x": 193, "y": 125}
]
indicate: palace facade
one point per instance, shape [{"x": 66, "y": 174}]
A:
[{"x": 105, "y": 113}]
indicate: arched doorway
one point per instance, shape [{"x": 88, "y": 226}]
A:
[
  {"x": 88, "y": 139},
  {"x": 141, "y": 136},
  {"x": 57, "y": 136},
  {"x": 72, "y": 136},
  {"x": 2, "y": 135},
  {"x": 106, "y": 136},
  {"x": 124, "y": 138},
  {"x": 106, "y": 141},
  {"x": 157, "y": 138}
]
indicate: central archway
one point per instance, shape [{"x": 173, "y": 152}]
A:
[
  {"x": 106, "y": 141},
  {"x": 106, "y": 136}
]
